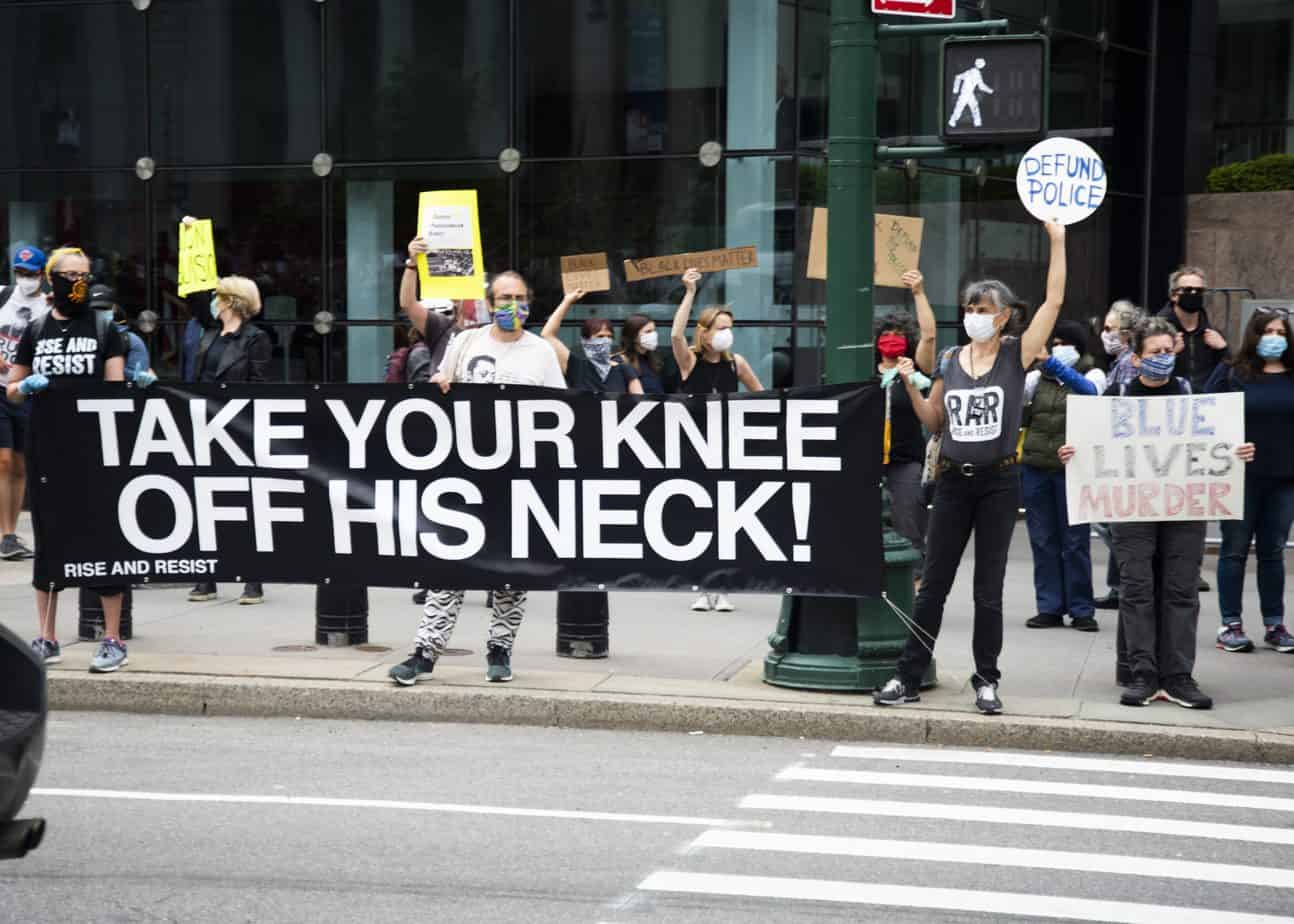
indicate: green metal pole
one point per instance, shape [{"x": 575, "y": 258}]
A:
[{"x": 813, "y": 631}]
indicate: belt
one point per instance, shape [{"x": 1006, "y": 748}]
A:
[{"x": 970, "y": 470}]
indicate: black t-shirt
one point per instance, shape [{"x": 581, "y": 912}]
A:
[
  {"x": 1139, "y": 389},
  {"x": 906, "y": 442},
  {"x": 211, "y": 363},
  {"x": 583, "y": 375},
  {"x": 69, "y": 349}
]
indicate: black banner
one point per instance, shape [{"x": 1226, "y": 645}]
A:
[{"x": 486, "y": 487}]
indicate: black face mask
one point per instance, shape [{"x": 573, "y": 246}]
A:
[
  {"x": 72, "y": 299},
  {"x": 1190, "y": 302}
]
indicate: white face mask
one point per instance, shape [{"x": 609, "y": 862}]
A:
[
  {"x": 1065, "y": 355},
  {"x": 28, "y": 285},
  {"x": 1112, "y": 342},
  {"x": 980, "y": 327},
  {"x": 649, "y": 341},
  {"x": 721, "y": 342}
]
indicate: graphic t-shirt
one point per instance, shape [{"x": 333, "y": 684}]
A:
[
  {"x": 19, "y": 311},
  {"x": 476, "y": 356},
  {"x": 983, "y": 412},
  {"x": 69, "y": 349}
]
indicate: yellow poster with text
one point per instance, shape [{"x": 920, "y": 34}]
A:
[
  {"x": 197, "y": 258},
  {"x": 453, "y": 266}
]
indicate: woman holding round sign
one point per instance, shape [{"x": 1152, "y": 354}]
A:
[{"x": 975, "y": 404}]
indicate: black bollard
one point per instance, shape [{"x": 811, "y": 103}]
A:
[
  {"x": 341, "y": 615},
  {"x": 583, "y": 620},
  {"x": 90, "y": 626}
]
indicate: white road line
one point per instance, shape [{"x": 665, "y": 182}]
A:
[
  {"x": 979, "y": 855},
  {"x": 961, "y": 757},
  {"x": 449, "y": 807},
  {"x": 1033, "y": 817},
  {"x": 1012, "y": 904},
  {"x": 995, "y": 785}
]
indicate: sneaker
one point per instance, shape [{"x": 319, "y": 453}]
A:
[
  {"x": 202, "y": 593},
  {"x": 722, "y": 604},
  {"x": 110, "y": 657},
  {"x": 1045, "y": 621},
  {"x": 420, "y": 597},
  {"x": 1185, "y": 692},
  {"x": 1231, "y": 637},
  {"x": 498, "y": 662},
  {"x": 986, "y": 699},
  {"x": 24, "y": 551},
  {"x": 1123, "y": 675},
  {"x": 894, "y": 693},
  {"x": 1109, "y": 602},
  {"x": 1140, "y": 692},
  {"x": 1204, "y": 586},
  {"x": 1085, "y": 624},
  {"x": 409, "y": 672},
  {"x": 9, "y": 547},
  {"x": 252, "y": 595},
  {"x": 702, "y": 604},
  {"x": 1276, "y": 637},
  {"x": 46, "y": 650}
]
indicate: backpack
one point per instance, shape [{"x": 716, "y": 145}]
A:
[
  {"x": 395, "y": 363},
  {"x": 103, "y": 329}
]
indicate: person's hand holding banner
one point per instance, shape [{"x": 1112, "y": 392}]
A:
[
  {"x": 691, "y": 279},
  {"x": 33, "y": 383}
]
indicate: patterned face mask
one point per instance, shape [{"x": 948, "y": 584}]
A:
[
  {"x": 511, "y": 316},
  {"x": 1158, "y": 365}
]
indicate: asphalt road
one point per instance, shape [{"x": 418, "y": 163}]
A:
[{"x": 177, "y": 819}]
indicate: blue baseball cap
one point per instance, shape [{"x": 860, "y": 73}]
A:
[{"x": 27, "y": 258}]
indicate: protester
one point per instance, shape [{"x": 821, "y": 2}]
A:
[
  {"x": 638, "y": 343},
  {"x": 67, "y": 343},
  {"x": 1260, "y": 371},
  {"x": 708, "y": 366},
  {"x": 20, "y": 304},
  {"x": 1159, "y": 603},
  {"x": 104, "y": 301},
  {"x": 437, "y": 320},
  {"x": 411, "y": 362},
  {"x": 235, "y": 350},
  {"x": 593, "y": 369},
  {"x": 1062, "y": 556},
  {"x": 502, "y": 353},
  {"x": 975, "y": 404},
  {"x": 1200, "y": 347}
]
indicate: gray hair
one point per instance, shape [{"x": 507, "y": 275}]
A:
[
  {"x": 999, "y": 293},
  {"x": 1126, "y": 314},
  {"x": 1175, "y": 276}
]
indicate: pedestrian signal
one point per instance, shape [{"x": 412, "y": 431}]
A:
[{"x": 994, "y": 88}]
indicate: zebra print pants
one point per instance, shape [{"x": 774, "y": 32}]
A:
[{"x": 440, "y": 615}]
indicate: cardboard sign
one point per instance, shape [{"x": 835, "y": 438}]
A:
[
  {"x": 1061, "y": 179},
  {"x": 1151, "y": 459},
  {"x": 898, "y": 247},
  {"x": 454, "y": 267},
  {"x": 197, "y": 261},
  {"x": 707, "y": 261},
  {"x": 587, "y": 271}
]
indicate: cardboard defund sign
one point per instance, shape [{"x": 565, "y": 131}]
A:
[
  {"x": 898, "y": 247},
  {"x": 707, "y": 261}
]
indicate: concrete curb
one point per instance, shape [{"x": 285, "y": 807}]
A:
[{"x": 323, "y": 699}]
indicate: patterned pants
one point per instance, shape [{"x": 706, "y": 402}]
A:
[{"x": 440, "y": 615}]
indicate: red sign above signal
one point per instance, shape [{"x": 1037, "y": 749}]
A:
[{"x": 935, "y": 9}]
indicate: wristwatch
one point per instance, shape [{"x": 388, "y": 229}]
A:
[{"x": 410, "y": 265}]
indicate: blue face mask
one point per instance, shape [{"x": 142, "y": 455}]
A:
[
  {"x": 1159, "y": 365},
  {"x": 511, "y": 316},
  {"x": 1272, "y": 346},
  {"x": 215, "y": 308}
]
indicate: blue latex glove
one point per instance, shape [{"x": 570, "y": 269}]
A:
[
  {"x": 33, "y": 383},
  {"x": 143, "y": 378}
]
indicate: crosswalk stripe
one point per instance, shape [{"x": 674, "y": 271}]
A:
[
  {"x": 962, "y": 757},
  {"x": 979, "y": 855},
  {"x": 1035, "y": 787},
  {"x": 997, "y": 903},
  {"x": 1011, "y": 816}
]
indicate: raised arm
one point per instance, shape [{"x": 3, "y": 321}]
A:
[
  {"x": 930, "y": 411},
  {"x": 684, "y": 356},
  {"x": 554, "y": 324},
  {"x": 1044, "y": 319},
  {"x": 409, "y": 303},
  {"x": 925, "y": 321}
]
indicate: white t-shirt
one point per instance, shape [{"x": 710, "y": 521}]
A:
[
  {"x": 15, "y": 316},
  {"x": 477, "y": 356}
]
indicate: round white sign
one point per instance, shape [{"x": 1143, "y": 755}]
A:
[{"x": 1061, "y": 180}]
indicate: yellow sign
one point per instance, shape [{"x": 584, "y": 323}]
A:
[
  {"x": 453, "y": 267},
  {"x": 197, "y": 257}
]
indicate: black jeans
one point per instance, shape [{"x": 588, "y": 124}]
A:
[
  {"x": 1159, "y": 607},
  {"x": 987, "y": 505}
]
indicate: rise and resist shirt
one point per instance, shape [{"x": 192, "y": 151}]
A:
[
  {"x": 69, "y": 349},
  {"x": 983, "y": 412}
]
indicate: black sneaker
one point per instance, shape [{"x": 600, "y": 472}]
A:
[
  {"x": 1109, "y": 602},
  {"x": 1203, "y": 586},
  {"x": 1186, "y": 693},
  {"x": 1045, "y": 621},
  {"x": 420, "y": 597},
  {"x": 1085, "y": 624},
  {"x": 986, "y": 699},
  {"x": 202, "y": 593},
  {"x": 896, "y": 692},
  {"x": 498, "y": 661},
  {"x": 1141, "y": 692},
  {"x": 409, "y": 672}
]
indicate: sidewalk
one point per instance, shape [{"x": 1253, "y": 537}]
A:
[{"x": 669, "y": 669}]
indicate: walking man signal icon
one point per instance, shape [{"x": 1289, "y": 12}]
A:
[{"x": 966, "y": 85}]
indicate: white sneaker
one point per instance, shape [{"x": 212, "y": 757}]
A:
[
  {"x": 722, "y": 604},
  {"x": 702, "y": 604}
]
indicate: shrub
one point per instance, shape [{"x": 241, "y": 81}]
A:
[{"x": 1266, "y": 174}]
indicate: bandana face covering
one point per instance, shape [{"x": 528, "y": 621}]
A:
[
  {"x": 598, "y": 351},
  {"x": 511, "y": 316}
]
